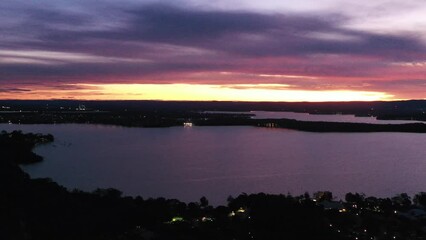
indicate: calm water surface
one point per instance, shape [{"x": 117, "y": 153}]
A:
[{"x": 187, "y": 163}]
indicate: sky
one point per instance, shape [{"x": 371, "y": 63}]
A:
[{"x": 234, "y": 50}]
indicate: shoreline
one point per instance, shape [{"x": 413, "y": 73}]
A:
[{"x": 307, "y": 126}]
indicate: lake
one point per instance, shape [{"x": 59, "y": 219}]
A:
[{"x": 187, "y": 163}]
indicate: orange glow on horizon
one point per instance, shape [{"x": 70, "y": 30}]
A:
[{"x": 197, "y": 92}]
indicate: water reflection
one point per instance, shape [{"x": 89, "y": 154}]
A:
[{"x": 187, "y": 163}]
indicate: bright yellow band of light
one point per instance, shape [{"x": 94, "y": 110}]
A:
[
  {"x": 197, "y": 92},
  {"x": 241, "y": 92}
]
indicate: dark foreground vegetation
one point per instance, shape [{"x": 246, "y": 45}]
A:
[
  {"x": 18, "y": 146},
  {"x": 41, "y": 209}
]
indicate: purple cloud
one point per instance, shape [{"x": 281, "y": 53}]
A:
[{"x": 162, "y": 42}]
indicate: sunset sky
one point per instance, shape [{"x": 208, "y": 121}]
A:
[{"x": 240, "y": 50}]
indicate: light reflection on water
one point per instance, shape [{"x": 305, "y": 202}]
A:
[{"x": 187, "y": 163}]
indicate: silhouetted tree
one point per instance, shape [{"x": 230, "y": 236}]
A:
[
  {"x": 355, "y": 198},
  {"x": 108, "y": 193},
  {"x": 204, "y": 202},
  {"x": 420, "y": 199},
  {"x": 402, "y": 200}
]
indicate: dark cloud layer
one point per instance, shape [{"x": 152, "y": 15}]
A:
[
  {"x": 14, "y": 90},
  {"x": 233, "y": 32},
  {"x": 173, "y": 40},
  {"x": 161, "y": 23}
]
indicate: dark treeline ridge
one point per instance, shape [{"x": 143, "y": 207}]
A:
[
  {"x": 41, "y": 209},
  {"x": 311, "y": 126},
  {"x": 146, "y": 116},
  {"x": 341, "y": 126},
  {"x": 204, "y": 119},
  {"x": 414, "y": 109}
]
